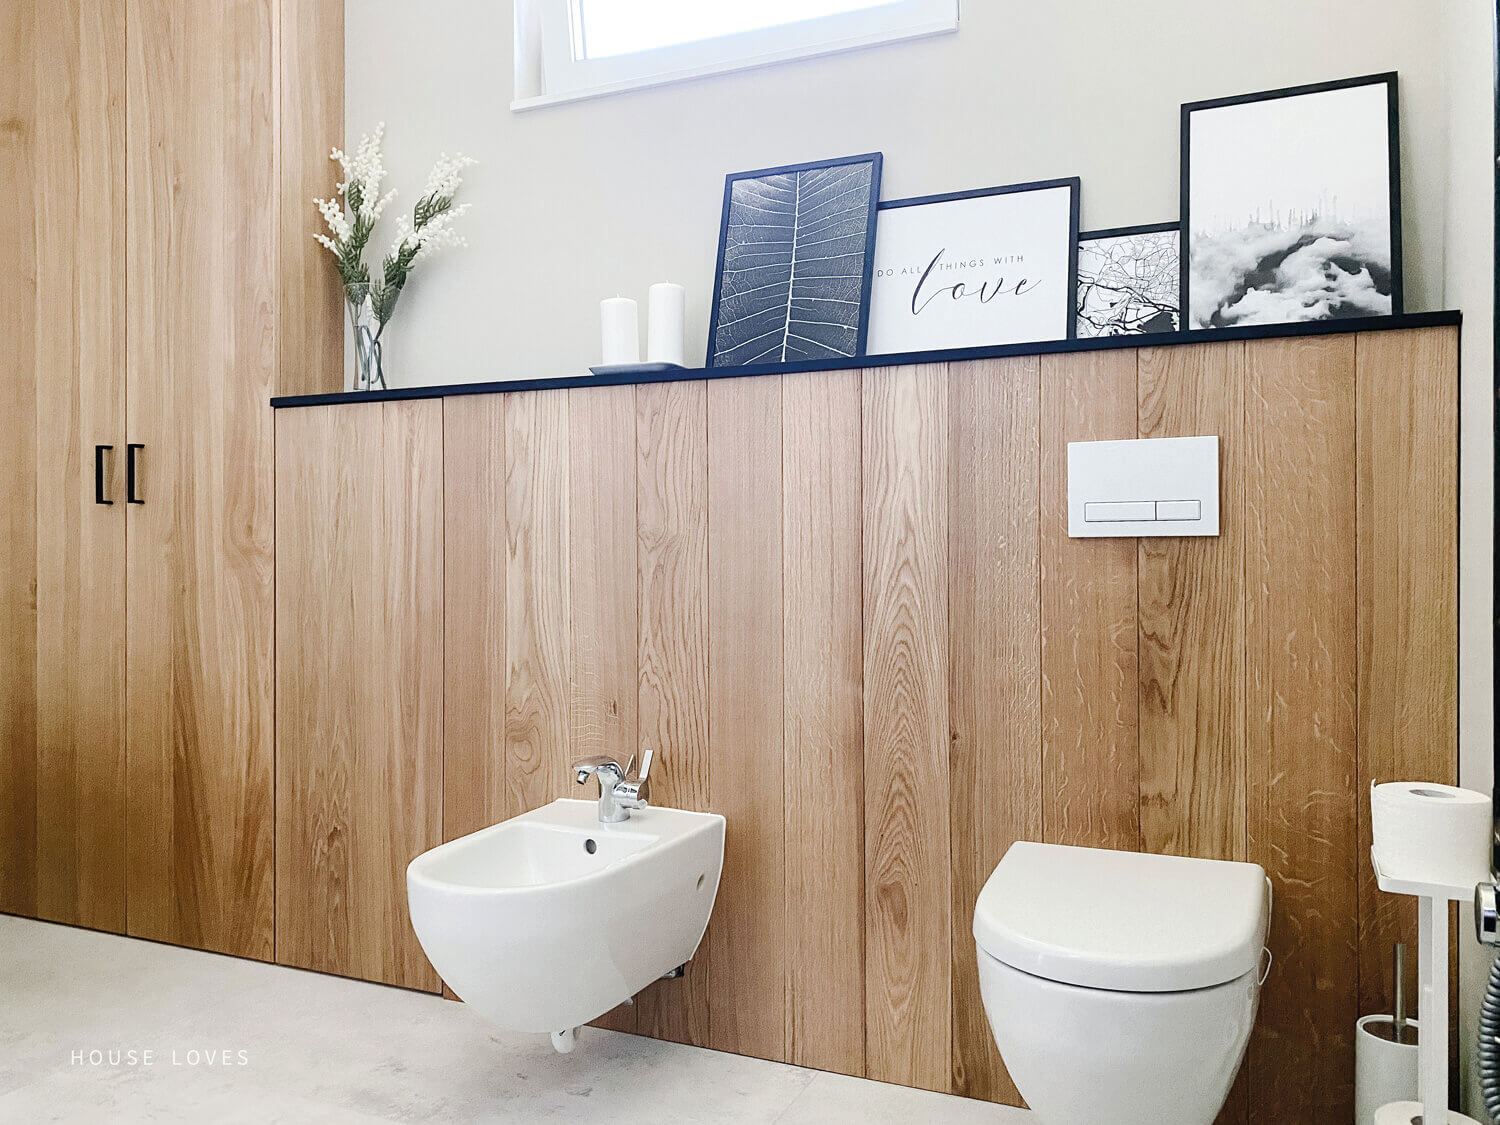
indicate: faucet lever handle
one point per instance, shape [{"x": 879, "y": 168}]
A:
[{"x": 646, "y": 764}]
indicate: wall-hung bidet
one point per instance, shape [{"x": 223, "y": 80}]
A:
[
  {"x": 1121, "y": 987},
  {"x": 552, "y": 918}
]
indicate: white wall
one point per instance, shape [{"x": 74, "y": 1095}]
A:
[
  {"x": 589, "y": 199},
  {"x": 1468, "y": 284},
  {"x": 582, "y": 201}
]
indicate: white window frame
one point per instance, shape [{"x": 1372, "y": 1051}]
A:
[{"x": 554, "y": 75}]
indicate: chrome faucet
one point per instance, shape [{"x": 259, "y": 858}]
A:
[{"x": 619, "y": 793}]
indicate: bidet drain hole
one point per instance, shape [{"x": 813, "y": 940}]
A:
[
  {"x": 591, "y": 846},
  {"x": 699, "y": 887}
]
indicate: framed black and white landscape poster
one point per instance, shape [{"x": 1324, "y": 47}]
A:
[
  {"x": 1129, "y": 281},
  {"x": 796, "y": 246},
  {"x": 1291, "y": 205},
  {"x": 975, "y": 268}
]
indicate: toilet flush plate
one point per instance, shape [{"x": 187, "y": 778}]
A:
[{"x": 1149, "y": 487}]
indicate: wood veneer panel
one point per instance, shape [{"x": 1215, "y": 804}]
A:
[
  {"x": 823, "y": 715},
  {"x": 311, "y": 122},
  {"x": 474, "y": 561},
  {"x": 1301, "y": 660},
  {"x": 359, "y": 593},
  {"x": 201, "y": 366},
  {"x": 995, "y": 774},
  {"x": 1406, "y": 405},
  {"x": 908, "y": 899},
  {"x": 18, "y": 516},
  {"x": 747, "y": 1005},
  {"x": 1191, "y": 643},
  {"x": 602, "y": 589},
  {"x": 672, "y": 555},
  {"x": 80, "y": 545},
  {"x": 537, "y": 631},
  {"x": 1191, "y": 621},
  {"x": 1090, "y": 756}
]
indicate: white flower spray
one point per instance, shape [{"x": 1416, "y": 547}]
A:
[{"x": 351, "y": 218}]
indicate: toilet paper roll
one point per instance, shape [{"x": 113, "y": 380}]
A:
[
  {"x": 1431, "y": 833},
  {"x": 1410, "y": 1113}
]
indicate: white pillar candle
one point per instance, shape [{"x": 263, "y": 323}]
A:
[
  {"x": 622, "y": 331},
  {"x": 664, "y": 324}
]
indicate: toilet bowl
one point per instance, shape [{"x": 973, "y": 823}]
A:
[{"x": 1121, "y": 987}]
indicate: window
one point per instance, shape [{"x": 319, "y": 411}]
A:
[{"x": 570, "y": 49}]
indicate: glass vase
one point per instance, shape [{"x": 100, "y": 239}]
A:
[{"x": 369, "y": 372}]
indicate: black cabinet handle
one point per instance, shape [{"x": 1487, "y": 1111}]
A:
[
  {"x": 130, "y": 451},
  {"x": 99, "y": 497}
]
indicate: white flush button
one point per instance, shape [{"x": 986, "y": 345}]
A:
[
  {"x": 1129, "y": 511},
  {"x": 1178, "y": 510}
]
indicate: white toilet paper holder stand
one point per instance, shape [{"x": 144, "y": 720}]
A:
[{"x": 1432, "y": 986}]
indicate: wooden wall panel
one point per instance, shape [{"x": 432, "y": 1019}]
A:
[
  {"x": 359, "y": 497},
  {"x": 1406, "y": 408},
  {"x": 80, "y": 545},
  {"x": 672, "y": 592},
  {"x": 18, "y": 517},
  {"x": 1090, "y": 763},
  {"x": 1191, "y": 621},
  {"x": 602, "y": 556},
  {"x": 907, "y": 877},
  {"x": 200, "y": 624},
  {"x": 537, "y": 629},
  {"x": 844, "y": 611},
  {"x": 994, "y": 668},
  {"x": 1300, "y": 654},
  {"x": 474, "y": 560},
  {"x": 311, "y": 60},
  {"x": 747, "y": 1003},
  {"x": 823, "y": 714}
]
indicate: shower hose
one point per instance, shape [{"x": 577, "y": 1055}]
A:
[{"x": 1489, "y": 1047}]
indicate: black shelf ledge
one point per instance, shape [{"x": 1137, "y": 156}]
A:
[{"x": 1444, "y": 319}]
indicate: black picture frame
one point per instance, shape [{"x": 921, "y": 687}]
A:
[
  {"x": 1074, "y": 185},
  {"x": 1173, "y": 227},
  {"x": 1390, "y": 80},
  {"x": 862, "y": 321}
]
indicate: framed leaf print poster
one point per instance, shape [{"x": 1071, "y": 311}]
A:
[
  {"x": 796, "y": 246},
  {"x": 976, "y": 268}
]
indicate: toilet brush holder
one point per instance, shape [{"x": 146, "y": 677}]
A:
[{"x": 1385, "y": 1065}]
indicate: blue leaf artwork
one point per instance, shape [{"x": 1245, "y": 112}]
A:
[{"x": 795, "y": 255}]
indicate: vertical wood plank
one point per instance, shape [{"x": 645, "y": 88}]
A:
[
  {"x": 201, "y": 367},
  {"x": 1191, "y": 631},
  {"x": 1406, "y": 403},
  {"x": 401, "y": 789},
  {"x": 823, "y": 714},
  {"x": 1192, "y": 620},
  {"x": 80, "y": 545},
  {"x": 747, "y": 1005},
  {"x": 994, "y": 568},
  {"x": 537, "y": 629},
  {"x": 474, "y": 614},
  {"x": 602, "y": 590},
  {"x": 1301, "y": 659},
  {"x": 908, "y": 898},
  {"x": 310, "y": 124},
  {"x": 1090, "y": 756},
  {"x": 18, "y": 461},
  {"x": 672, "y": 530},
  {"x": 359, "y": 497}
]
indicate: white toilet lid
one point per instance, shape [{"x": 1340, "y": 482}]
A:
[{"x": 1126, "y": 921}]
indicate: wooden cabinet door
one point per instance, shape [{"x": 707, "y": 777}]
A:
[
  {"x": 62, "y": 659},
  {"x": 201, "y": 364},
  {"x": 359, "y": 665}
]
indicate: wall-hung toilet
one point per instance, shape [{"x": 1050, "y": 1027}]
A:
[{"x": 1121, "y": 987}]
